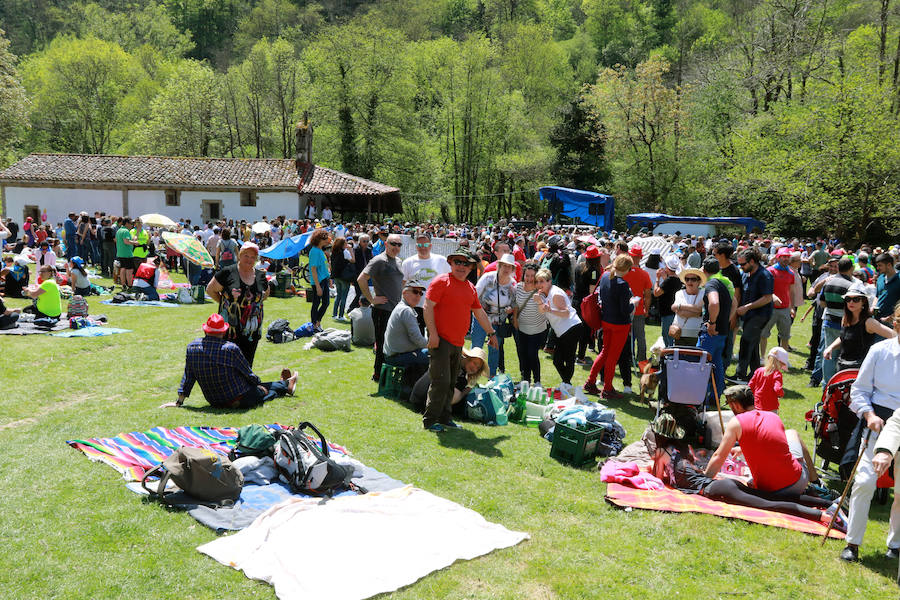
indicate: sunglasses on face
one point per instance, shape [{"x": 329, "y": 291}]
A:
[
  {"x": 854, "y": 299},
  {"x": 460, "y": 263},
  {"x": 423, "y": 245},
  {"x": 395, "y": 244},
  {"x": 415, "y": 291},
  {"x": 742, "y": 264},
  {"x": 692, "y": 279}
]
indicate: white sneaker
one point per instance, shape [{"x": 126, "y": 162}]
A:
[{"x": 627, "y": 390}]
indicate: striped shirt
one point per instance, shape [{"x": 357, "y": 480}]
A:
[
  {"x": 531, "y": 320},
  {"x": 833, "y": 294}
]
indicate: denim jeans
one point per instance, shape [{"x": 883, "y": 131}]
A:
[
  {"x": 715, "y": 345},
  {"x": 829, "y": 365},
  {"x": 343, "y": 288},
  {"x": 256, "y": 396},
  {"x": 479, "y": 335},
  {"x": 405, "y": 359},
  {"x": 748, "y": 353},
  {"x": 665, "y": 323}
]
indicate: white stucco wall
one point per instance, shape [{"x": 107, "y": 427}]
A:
[{"x": 60, "y": 202}]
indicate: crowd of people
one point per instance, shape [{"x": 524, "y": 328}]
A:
[{"x": 505, "y": 284}]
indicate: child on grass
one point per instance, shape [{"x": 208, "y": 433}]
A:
[{"x": 766, "y": 383}]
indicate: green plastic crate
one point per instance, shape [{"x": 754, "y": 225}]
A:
[{"x": 576, "y": 447}]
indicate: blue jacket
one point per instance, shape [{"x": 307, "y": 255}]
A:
[{"x": 615, "y": 297}]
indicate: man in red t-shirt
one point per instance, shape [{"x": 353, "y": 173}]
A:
[
  {"x": 641, "y": 286},
  {"x": 450, "y": 302},
  {"x": 782, "y": 314}
]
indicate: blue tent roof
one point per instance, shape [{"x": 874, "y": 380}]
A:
[
  {"x": 287, "y": 247},
  {"x": 652, "y": 219},
  {"x": 588, "y": 207}
]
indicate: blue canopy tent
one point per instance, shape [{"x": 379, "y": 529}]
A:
[
  {"x": 588, "y": 207},
  {"x": 651, "y": 220},
  {"x": 287, "y": 247}
]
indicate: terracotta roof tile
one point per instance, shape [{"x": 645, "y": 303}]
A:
[{"x": 187, "y": 173}]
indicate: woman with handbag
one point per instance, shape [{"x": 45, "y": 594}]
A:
[
  {"x": 688, "y": 308},
  {"x": 530, "y": 324},
  {"x": 344, "y": 269},
  {"x": 556, "y": 306},
  {"x": 618, "y": 305},
  {"x": 496, "y": 292}
]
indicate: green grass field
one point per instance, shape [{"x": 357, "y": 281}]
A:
[{"x": 70, "y": 528}]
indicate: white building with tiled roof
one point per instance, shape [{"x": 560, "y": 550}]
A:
[{"x": 199, "y": 189}]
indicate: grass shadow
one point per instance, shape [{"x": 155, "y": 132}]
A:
[
  {"x": 215, "y": 410},
  {"x": 465, "y": 439}
]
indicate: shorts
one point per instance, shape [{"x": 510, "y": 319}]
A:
[
  {"x": 126, "y": 262},
  {"x": 799, "y": 486},
  {"x": 782, "y": 318}
]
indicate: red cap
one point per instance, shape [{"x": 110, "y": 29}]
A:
[
  {"x": 783, "y": 251},
  {"x": 215, "y": 324},
  {"x": 592, "y": 252},
  {"x": 636, "y": 252}
]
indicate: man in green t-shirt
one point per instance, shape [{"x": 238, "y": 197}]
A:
[
  {"x": 818, "y": 259},
  {"x": 125, "y": 253},
  {"x": 47, "y": 300},
  {"x": 141, "y": 240}
]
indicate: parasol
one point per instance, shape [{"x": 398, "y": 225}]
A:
[
  {"x": 189, "y": 247},
  {"x": 261, "y": 227},
  {"x": 157, "y": 220}
]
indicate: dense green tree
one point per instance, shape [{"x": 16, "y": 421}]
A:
[
  {"x": 78, "y": 88},
  {"x": 580, "y": 150},
  {"x": 14, "y": 104},
  {"x": 212, "y": 24}
]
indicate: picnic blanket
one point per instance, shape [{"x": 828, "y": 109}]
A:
[
  {"x": 29, "y": 328},
  {"x": 139, "y": 303},
  {"x": 671, "y": 500},
  {"x": 90, "y": 332},
  {"x": 132, "y": 454},
  {"x": 359, "y": 546}
]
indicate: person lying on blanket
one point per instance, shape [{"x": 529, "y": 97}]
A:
[
  {"x": 224, "y": 374},
  {"x": 678, "y": 466},
  {"x": 778, "y": 459}
]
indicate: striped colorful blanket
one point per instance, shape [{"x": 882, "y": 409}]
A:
[
  {"x": 132, "y": 454},
  {"x": 671, "y": 500}
]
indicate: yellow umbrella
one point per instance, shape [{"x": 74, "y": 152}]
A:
[
  {"x": 189, "y": 247},
  {"x": 157, "y": 220}
]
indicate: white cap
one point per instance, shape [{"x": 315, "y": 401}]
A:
[{"x": 781, "y": 355}]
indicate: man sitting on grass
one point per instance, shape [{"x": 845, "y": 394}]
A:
[{"x": 224, "y": 374}]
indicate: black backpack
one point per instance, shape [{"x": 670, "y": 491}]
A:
[
  {"x": 279, "y": 332},
  {"x": 305, "y": 468}
]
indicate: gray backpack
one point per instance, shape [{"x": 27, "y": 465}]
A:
[{"x": 201, "y": 473}]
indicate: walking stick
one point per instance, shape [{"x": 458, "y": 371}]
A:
[{"x": 862, "y": 451}]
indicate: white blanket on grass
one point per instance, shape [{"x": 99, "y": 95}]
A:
[{"x": 384, "y": 540}]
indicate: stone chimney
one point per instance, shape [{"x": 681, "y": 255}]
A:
[{"x": 303, "y": 136}]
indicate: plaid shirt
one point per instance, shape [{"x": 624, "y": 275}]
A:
[{"x": 220, "y": 368}]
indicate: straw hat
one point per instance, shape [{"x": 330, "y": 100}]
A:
[
  {"x": 692, "y": 271},
  {"x": 480, "y": 354}
]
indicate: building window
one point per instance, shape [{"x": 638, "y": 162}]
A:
[
  {"x": 248, "y": 198},
  {"x": 173, "y": 198}
]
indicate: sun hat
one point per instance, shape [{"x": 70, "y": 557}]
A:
[
  {"x": 506, "y": 259},
  {"x": 692, "y": 271},
  {"x": 462, "y": 252},
  {"x": 592, "y": 252},
  {"x": 666, "y": 425},
  {"x": 781, "y": 355},
  {"x": 673, "y": 263},
  {"x": 215, "y": 324},
  {"x": 249, "y": 246},
  {"x": 783, "y": 251},
  {"x": 480, "y": 354}
]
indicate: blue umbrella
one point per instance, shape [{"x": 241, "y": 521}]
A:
[{"x": 287, "y": 247}]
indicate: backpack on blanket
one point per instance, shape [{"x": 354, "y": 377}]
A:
[
  {"x": 306, "y": 468},
  {"x": 121, "y": 297},
  {"x": 279, "y": 332},
  {"x": 201, "y": 473},
  {"x": 332, "y": 339},
  {"x": 78, "y": 307},
  {"x": 253, "y": 440}
]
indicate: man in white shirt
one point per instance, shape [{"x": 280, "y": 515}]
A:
[
  {"x": 327, "y": 215},
  {"x": 212, "y": 242},
  {"x": 423, "y": 267}
]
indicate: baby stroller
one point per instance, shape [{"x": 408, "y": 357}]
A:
[
  {"x": 832, "y": 420},
  {"x": 684, "y": 378}
]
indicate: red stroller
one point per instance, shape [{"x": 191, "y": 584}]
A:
[{"x": 832, "y": 420}]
